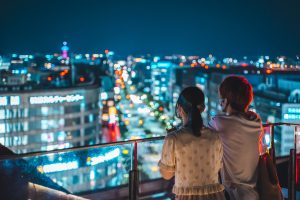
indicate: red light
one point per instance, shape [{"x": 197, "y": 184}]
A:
[
  {"x": 49, "y": 78},
  {"x": 244, "y": 65},
  {"x": 106, "y": 51},
  {"x": 63, "y": 73},
  {"x": 224, "y": 67},
  {"x": 181, "y": 64},
  {"x": 206, "y": 66},
  {"x": 161, "y": 109},
  {"x": 81, "y": 79}
]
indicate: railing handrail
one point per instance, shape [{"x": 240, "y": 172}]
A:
[
  {"x": 41, "y": 153},
  {"x": 280, "y": 124}
]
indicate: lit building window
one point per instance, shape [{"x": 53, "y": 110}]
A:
[
  {"x": 1, "y": 140},
  {"x": 14, "y": 100},
  {"x": 2, "y": 114},
  {"x": 45, "y": 110},
  {"x": 3, "y": 101},
  {"x": 2, "y": 128}
]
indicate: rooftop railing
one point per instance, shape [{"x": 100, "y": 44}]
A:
[{"x": 82, "y": 171}]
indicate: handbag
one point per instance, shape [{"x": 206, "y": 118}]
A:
[{"x": 267, "y": 181}]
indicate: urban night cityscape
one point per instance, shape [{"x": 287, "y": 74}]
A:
[{"x": 89, "y": 89}]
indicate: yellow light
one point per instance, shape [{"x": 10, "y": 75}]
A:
[
  {"x": 40, "y": 169},
  {"x": 125, "y": 151},
  {"x": 141, "y": 122},
  {"x": 135, "y": 137},
  {"x": 127, "y": 122},
  {"x": 105, "y": 117},
  {"x": 112, "y": 110},
  {"x": 138, "y": 59},
  {"x": 154, "y": 168}
]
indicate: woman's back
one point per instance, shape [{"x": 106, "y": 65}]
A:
[{"x": 196, "y": 161}]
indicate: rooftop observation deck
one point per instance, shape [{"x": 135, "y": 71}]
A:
[{"x": 120, "y": 170}]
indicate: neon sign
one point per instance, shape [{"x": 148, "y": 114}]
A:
[
  {"x": 106, "y": 157},
  {"x": 60, "y": 167},
  {"x": 55, "y": 99}
]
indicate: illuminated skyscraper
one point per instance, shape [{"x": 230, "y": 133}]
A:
[
  {"x": 65, "y": 50},
  {"x": 53, "y": 119},
  {"x": 161, "y": 80}
]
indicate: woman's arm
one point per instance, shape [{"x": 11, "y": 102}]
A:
[
  {"x": 167, "y": 162},
  {"x": 166, "y": 174}
]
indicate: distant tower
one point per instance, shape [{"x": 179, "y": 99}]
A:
[{"x": 65, "y": 50}]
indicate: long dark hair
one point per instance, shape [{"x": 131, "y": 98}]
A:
[{"x": 191, "y": 99}]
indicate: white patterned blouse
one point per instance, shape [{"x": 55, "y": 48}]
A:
[{"x": 195, "y": 161}]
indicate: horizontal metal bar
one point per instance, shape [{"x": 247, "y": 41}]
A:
[
  {"x": 41, "y": 153},
  {"x": 280, "y": 124}
]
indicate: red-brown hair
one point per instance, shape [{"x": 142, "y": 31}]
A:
[{"x": 238, "y": 92}]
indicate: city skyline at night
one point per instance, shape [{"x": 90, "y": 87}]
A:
[
  {"x": 226, "y": 29},
  {"x": 90, "y": 91}
]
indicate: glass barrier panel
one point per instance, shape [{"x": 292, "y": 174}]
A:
[
  {"x": 148, "y": 157},
  {"x": 284, "y": 139},
  {"x": 297, "y": 133},
  {"x": 75, "y": 172}
]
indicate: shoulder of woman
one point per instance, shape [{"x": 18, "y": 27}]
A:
[
  {"x": 174, "y": 134},
  {"x": 221, "y": 117},
  {"x": 210, "y": 132}
]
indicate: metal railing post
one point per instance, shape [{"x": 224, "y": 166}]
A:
[
  {"x": 292, "y": 169},
  {"x": 272, "y": 150},
  {"x": 134, "y": 176},
  {"x": 292, "y": 175}
]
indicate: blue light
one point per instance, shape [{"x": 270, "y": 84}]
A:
[
  {"x": 164, "y": 64},
  {"x": 267, "y": 139},
  {"x": 60, "y": 167},
  {"x": 293, "y": 110},
  {"x": 106, "y": 157},
  {"x": 291, "y": 116}
]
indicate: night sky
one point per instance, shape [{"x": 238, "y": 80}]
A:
[{"x": 223, "y": 28}]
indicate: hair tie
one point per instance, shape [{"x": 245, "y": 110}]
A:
[{"x": 200, "y": 107}]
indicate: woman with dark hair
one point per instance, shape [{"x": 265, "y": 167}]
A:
[{"x": 193, "y": 153}]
